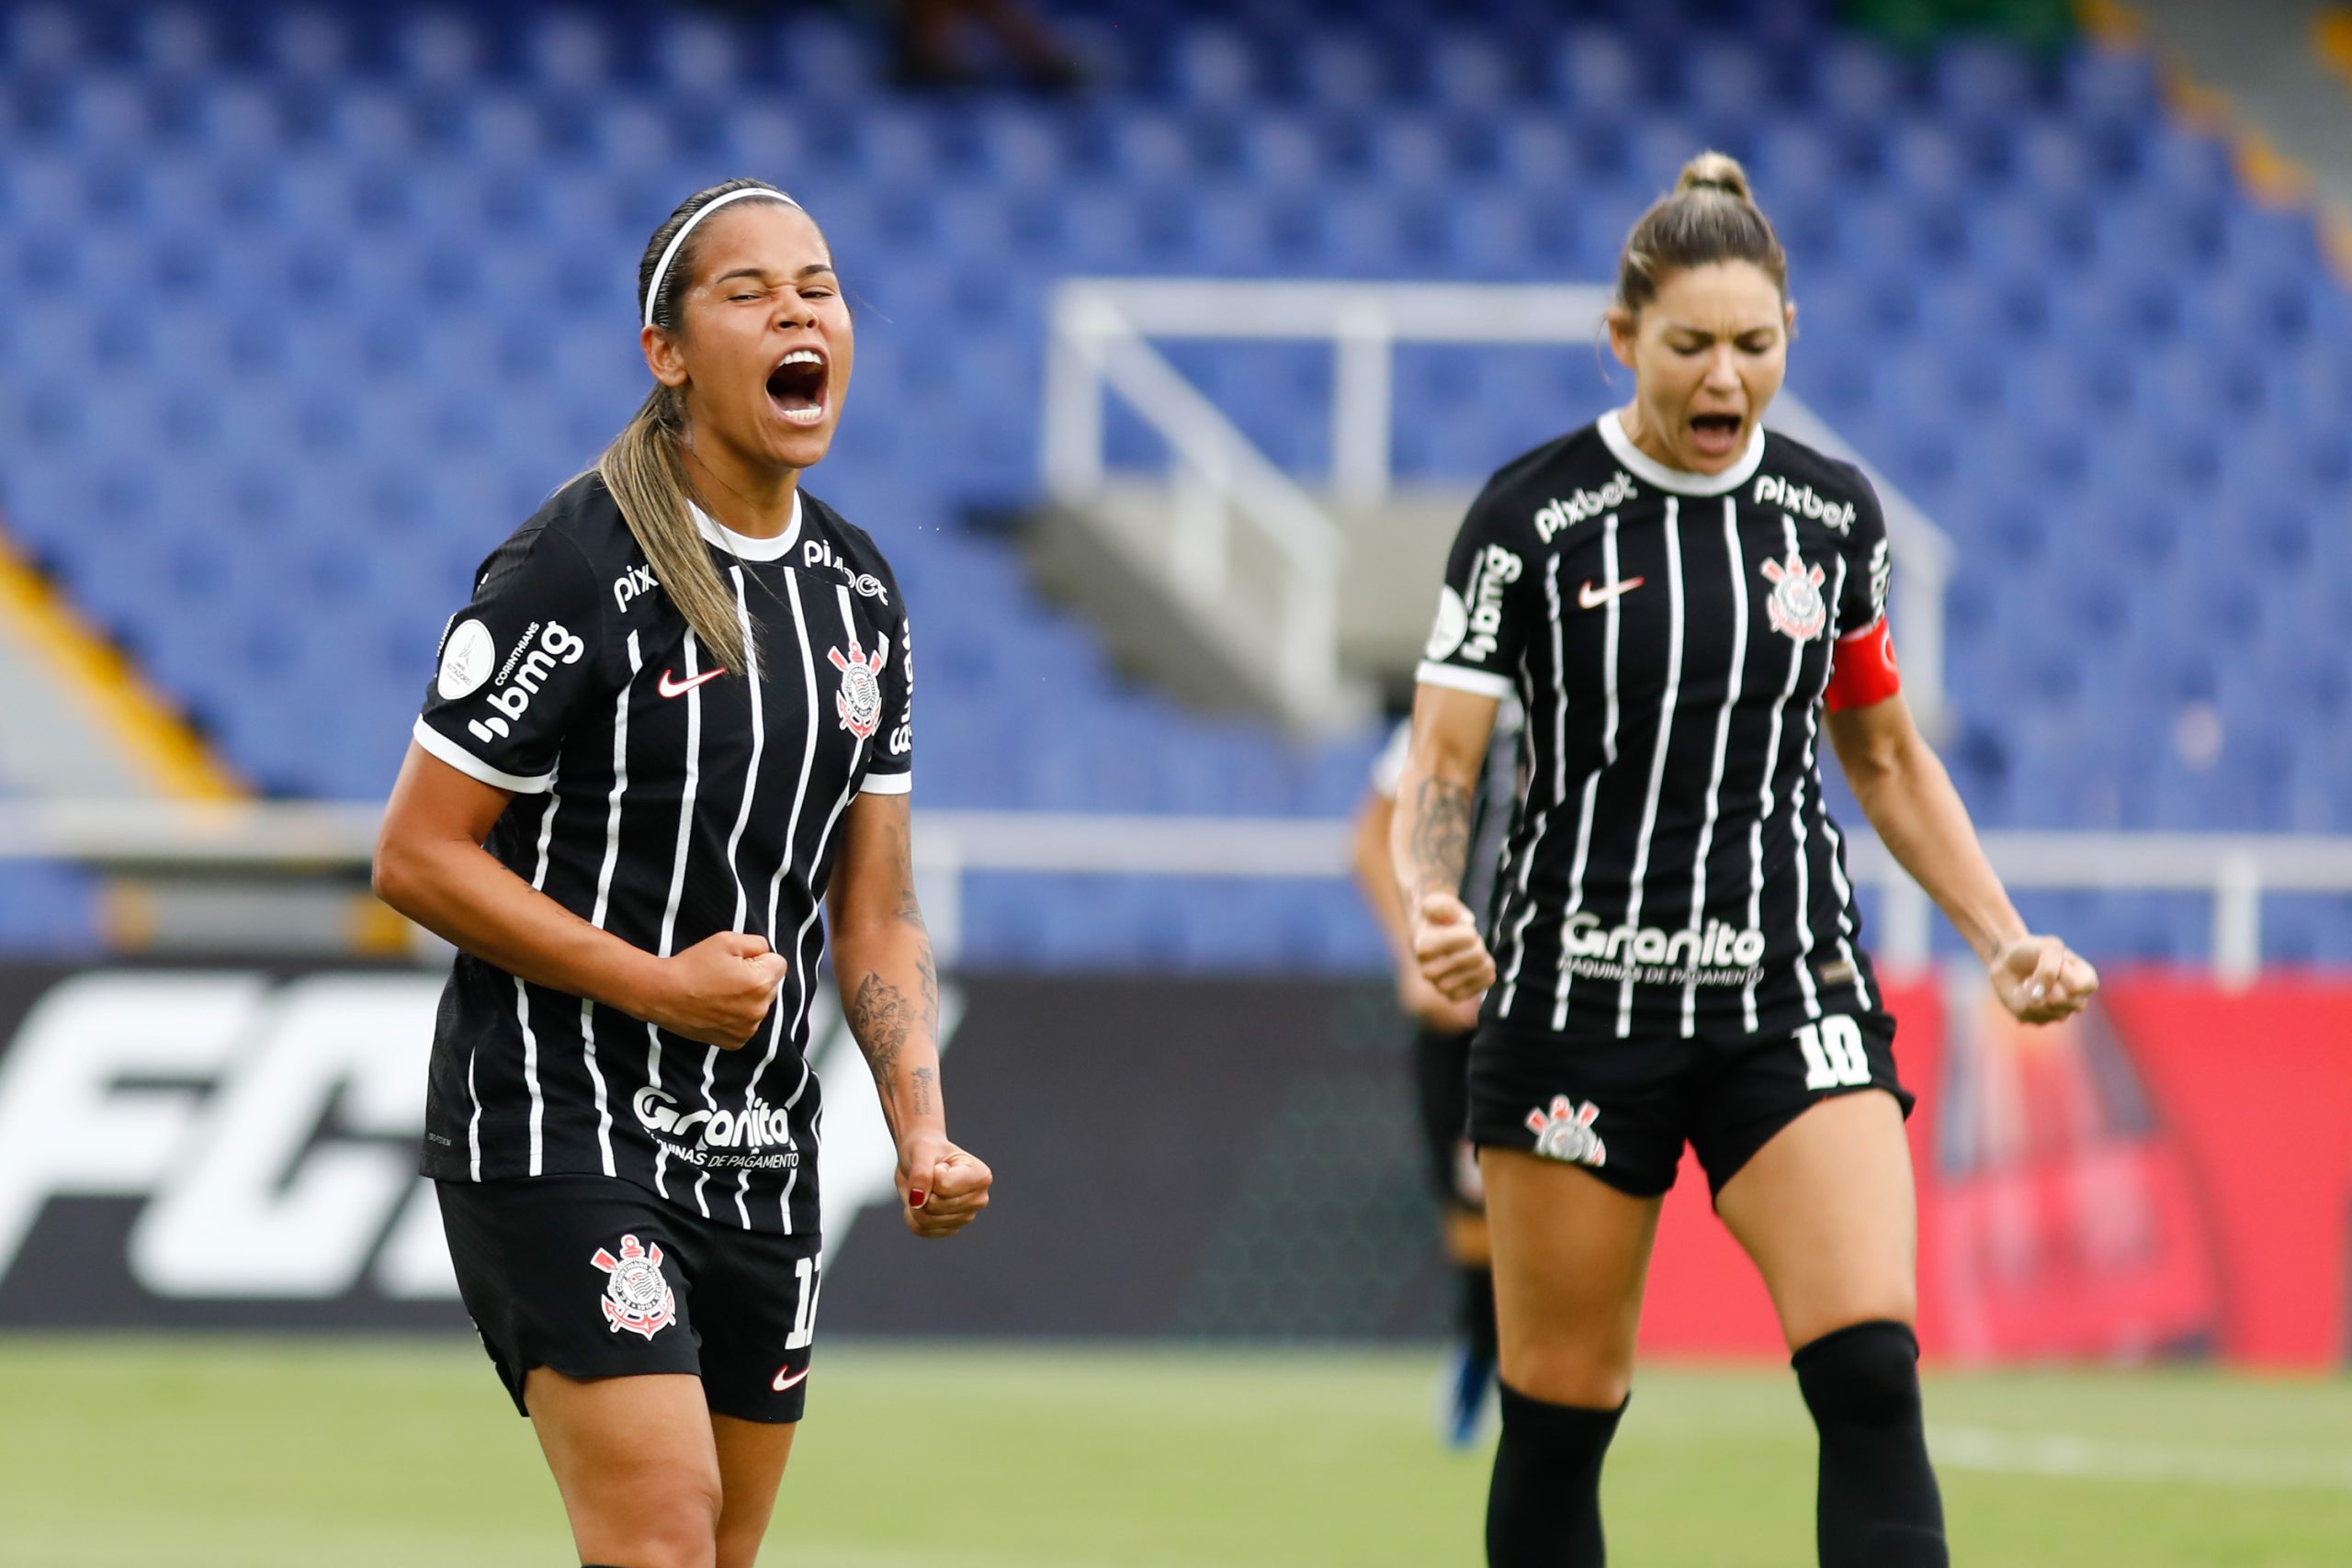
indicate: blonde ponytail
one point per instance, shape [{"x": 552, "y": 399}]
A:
[{"x": 645, "y": 468}]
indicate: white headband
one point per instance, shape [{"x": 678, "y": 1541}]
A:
[{"x": 670, "y": 252}]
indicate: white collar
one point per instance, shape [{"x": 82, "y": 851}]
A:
[
  {"x": 1681, "y": 481},
  {"x": 744, "y": 545}
]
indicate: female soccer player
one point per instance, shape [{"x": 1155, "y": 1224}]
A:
[
  {"x": 1677, "y": 597},
  {"x": 676, "y": 715}
]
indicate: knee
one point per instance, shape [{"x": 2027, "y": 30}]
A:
[
  {"x": 1863, "y": 1375},
  {"x": 673, "y": 1525},
  {"x": 1580, "y": 1375}
]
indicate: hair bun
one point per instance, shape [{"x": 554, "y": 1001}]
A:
[{"x": 1715, "y": 171}]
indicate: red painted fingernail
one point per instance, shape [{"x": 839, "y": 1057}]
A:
[{"x": 915, "y": 1198}]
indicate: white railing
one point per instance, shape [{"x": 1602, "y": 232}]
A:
[
  {"x": 1217, "y": 479},
  {"x": 310, "y": 839},
  {"x": 1100, "y": 329}
]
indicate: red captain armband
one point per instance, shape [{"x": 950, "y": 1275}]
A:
[{"x": 1861, "y": 668}]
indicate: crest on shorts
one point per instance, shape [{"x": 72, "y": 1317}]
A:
[
  {"x": 1565, "y": 1132},
  {"x": 859, "y": 700},
  {"x": 1796, "y": 607},
  {"x": 636, "y": 1294}
]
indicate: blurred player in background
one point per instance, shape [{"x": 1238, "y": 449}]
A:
[
  {"x": 1442, "y": 1054},
  {"x": 675, "y": 716},
  {"x": 1675, "y": 596}
]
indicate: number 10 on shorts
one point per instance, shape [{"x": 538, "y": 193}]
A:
[{"x": 1833, "y": 1057}]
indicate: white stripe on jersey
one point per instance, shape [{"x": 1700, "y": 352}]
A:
[
  {"x": 604, "y": 890},
  {"x": 1592, "y": 780},
  {"x": 817, "y": 906},
  {"x": 1559, "y": 791},
  {"x": 776, "y": 883},
  {"x": 1657, "y": 754},
  {"x": 1796, "y": 825},
  {"x": 735, "y": 839},
  {"x": 1723, "y": 742},
  {"x": 1764, "y": 811},
  {"x": 523, "y": 1003},
  {"x": 677, "y": 883},
  {"x": 1828, "y": 827}
]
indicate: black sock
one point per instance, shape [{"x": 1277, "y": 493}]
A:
[
  {"x": 1477, "y": 1324},
  {"x": 1544, "y": 1509},
  {"x": 1877, "y": 1504}
]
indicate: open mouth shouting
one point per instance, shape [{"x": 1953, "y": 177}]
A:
[
  {"x": 1715, "y": 435},
  {"x": 798, "y": 387}
]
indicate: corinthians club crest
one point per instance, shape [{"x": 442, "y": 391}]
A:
[
  {"x": 1566, "y": 1131},
  {"x": 859, "y": 702},
  {"x": 637, "y": 1296},
  {"x": 1796, "y": 608}
]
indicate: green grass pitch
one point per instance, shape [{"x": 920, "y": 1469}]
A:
[{"x": 237, "y": 1453}]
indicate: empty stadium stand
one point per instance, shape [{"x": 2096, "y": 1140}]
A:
[{"x": 302, "y": 308}]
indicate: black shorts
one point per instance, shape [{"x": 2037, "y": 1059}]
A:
[
  {"x": 598, "y": 1278},
  {"x": 1442, "y": 1094},
  {"x": 1622, "y": 1109}
]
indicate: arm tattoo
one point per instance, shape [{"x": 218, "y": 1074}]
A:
[
  {"x": 924, "y": 1079},
  {"x": 1441, "y": 835},
  {"x": 880, "y": 1018}
]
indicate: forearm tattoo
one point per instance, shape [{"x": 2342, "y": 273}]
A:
[
  {"x": 1440, "y": 836},
  {"x": 880, "y": 1019}
]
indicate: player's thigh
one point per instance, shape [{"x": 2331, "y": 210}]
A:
[
  {"x": 635, "y": 1461},
  {"x": 1826, "y": 1210},
  {"x": 1570, "y": 1257},
  {"x": 751, "y": 1457}
]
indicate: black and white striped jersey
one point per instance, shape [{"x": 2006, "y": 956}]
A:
[
  {"x": 663, "y": 799},
  {"x": 1501, "y": 782},
  {"x": 1671, "y": 636}
]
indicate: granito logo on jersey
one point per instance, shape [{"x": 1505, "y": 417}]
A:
[
  {"x": 465, "y": 661},
  {"x": 859, "y": 700},
  {"x": 1565, "y": 1132},
  {"x": 1796, "y": 607},
  {"x": 697, "y": 1136},
  {"x": 636, "y": 581},
  {"x": 1881, "y": 576},
  {"x": 636, "y": 1294},
  {"x": 1562, "y": 513},
  {"x": 558, "y": 645},
  {"x": 1802, "y": 501},
  {"x": 1710, "y": 946},
  {"x": 816, "y": 553}
]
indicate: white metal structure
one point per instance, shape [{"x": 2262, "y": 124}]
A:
[
  {"x": 1100, "y": 331},
  {"x": 324, "y": 839}
]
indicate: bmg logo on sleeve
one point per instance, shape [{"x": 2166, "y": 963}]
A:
[{"x": 512, "y": 696}]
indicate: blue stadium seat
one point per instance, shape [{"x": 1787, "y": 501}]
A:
[{"x": 2056, "y": 317}]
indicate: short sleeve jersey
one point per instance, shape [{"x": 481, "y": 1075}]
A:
[
  {"x": 1671, "y": 636},
  {"x": 662, "y": 798}
]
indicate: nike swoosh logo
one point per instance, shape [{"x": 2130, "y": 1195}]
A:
[
  {"x": 788, "y": 1379},
  {"x": 672, "y": 687},
  {"x": 1589, "y": 597}
]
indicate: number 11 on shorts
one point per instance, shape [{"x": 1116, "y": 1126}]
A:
[
  {"x": 1833, "y": 1057},
  {"x": 804, "y": 1311}
]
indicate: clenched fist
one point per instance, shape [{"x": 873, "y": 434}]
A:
[
  {"x": 719, "y": 990},
  {"x": 2041, "y": 981},
  {"x": 943, "y": 1188},
  {"x": 1447, "y": 947}
]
